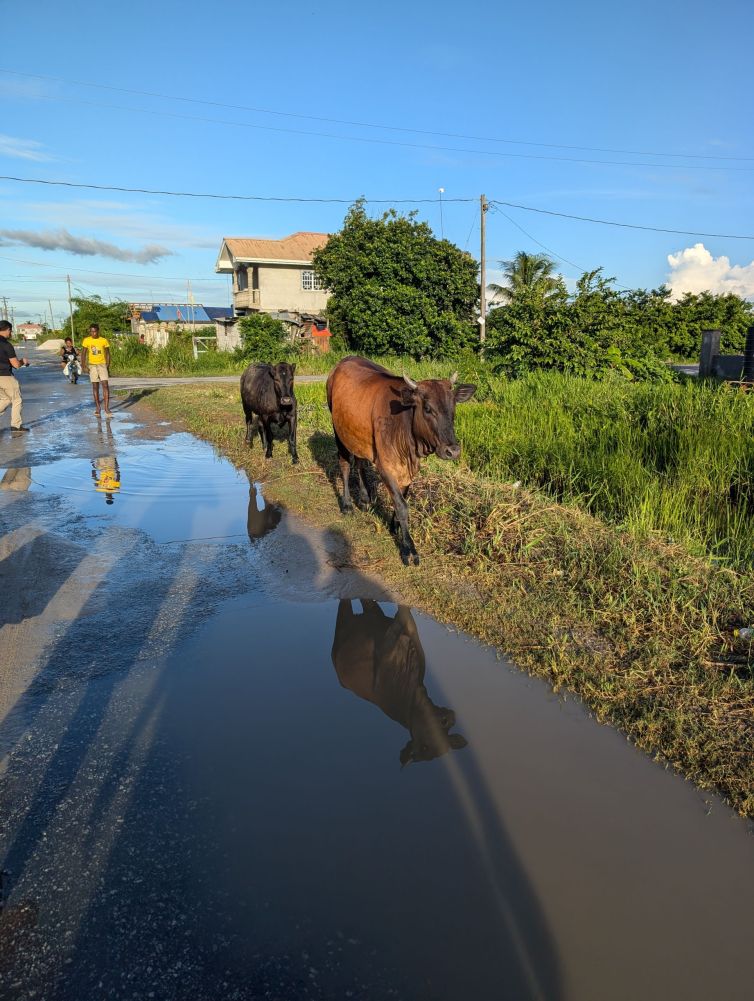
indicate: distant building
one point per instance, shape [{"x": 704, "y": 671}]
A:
[
  {"x": 29, "y": 331},
  {"x": 153, "y": 322},
  {"x": 272, "y": 276}
]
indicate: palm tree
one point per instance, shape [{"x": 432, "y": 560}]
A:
[{"x": 531, "y": 273}]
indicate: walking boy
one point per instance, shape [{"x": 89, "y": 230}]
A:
[
  {"x": 95, "y": 359},
  {"x": 10, "y": 394}
]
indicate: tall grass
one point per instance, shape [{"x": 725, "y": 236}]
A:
[{"x": 674, "y": 459}]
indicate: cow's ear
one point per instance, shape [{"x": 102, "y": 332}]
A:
[
  {"x": 464, "y": 391},
  {"x": 457, "y": 741},
  {"x": 293, "y": 368},
  {"x": 408, "y": 397}
]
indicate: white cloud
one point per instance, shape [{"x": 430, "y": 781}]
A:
[
  {"x": 23, "y": 149},
  {"x": 696, "y": 270},
  {"x": 82, "y": 246}
]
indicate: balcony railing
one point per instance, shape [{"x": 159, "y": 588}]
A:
[{"x": 248, "y": 299}]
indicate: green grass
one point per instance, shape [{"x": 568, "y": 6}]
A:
[
  {"x": 671, "y": 459},
  {"x": 642, "y": 629}
]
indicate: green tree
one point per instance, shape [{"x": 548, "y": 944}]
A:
[
  {"x": 530, "y": 275},
  {"x": 113, "y": 317},
  {"x": 396, "y": 288},
  {"x": 263, "y": 338}
]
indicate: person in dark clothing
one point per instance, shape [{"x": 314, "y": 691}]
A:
[{"x": 10, "y": 394}]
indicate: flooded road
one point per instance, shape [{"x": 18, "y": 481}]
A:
[{"x": 231, "y": 767}]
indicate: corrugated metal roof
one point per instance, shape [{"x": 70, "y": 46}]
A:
[
  {"x": 296, "y": 247},
  {"x": 183, "y": 312}
]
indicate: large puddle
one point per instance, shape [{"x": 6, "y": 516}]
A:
[
  {"x": 345, "y": 800},
  {"x": 176, "y": 489},
  {"x": 333, "y": 799}
]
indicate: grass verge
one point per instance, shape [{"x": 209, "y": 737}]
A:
[{"x": 640, "y": 629}]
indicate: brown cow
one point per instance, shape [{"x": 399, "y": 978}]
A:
[
  {"x": 394, "y": 422},
  {"x": 381, "y": 659}
]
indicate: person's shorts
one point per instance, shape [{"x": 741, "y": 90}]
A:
[{"x": 98, "y": 373}]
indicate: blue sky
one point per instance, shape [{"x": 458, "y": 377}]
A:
[{"x": 649, "y": 77}]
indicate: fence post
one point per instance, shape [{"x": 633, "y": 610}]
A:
[
  {"x": 710, "y": 351},
  {"x": 748, "y": 375}
]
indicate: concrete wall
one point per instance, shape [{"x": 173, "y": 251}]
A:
[
  {"x": 228, "y": 337},
  {"x": 157, "y": 335},
  {"x": 280, "y": 289}
]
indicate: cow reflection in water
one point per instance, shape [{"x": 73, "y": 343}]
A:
[
  {"x": 259, "y": 523},
  {"x": 381, "y": 659}
]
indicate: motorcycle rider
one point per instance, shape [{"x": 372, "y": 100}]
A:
[{"x": 68, "y": 354}]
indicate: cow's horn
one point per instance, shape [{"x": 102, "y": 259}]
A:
[
  {"x": 453, "y": 378},
  {"x": 410, "y": 382}
]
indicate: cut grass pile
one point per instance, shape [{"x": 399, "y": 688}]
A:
[{"x": 640, "y": 628}]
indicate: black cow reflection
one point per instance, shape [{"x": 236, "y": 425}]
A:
[
  {"x": 259, "y": 523},
  {"x": 381, "y": 659}
]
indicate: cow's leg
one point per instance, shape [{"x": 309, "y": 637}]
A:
[
  {"x": 250, "y": 426},
  {"x": 265, "y": 422},
  {"x": 344, "y": 461},
  {"x": 365, "y": 498},
  {"x": 292, "y": 422},
  {"x": 406, "y": 546}
]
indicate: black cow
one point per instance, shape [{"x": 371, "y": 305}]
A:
[
  {"x": 381, "y": 660},
  {"x": 268, "y": 398}
]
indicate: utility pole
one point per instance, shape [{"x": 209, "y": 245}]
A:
[
  {"x": 442, "y": 226},
  {"x": 5, "y": 308},
  {"x": 70, "y": 307},
  {"x": 52, "y": 318},
  {"x": 483, "y": 205}
]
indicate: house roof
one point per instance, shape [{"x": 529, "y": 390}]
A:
[
  {"x": 296, "y": 248},
  {"x": 183, "y": 313}
]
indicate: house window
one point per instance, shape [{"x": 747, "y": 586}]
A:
[
  {"x": 242, "y": 279},
  {"x": 310, "y": 282}
]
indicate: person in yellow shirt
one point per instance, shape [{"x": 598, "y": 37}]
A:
[
  {"x": 95, "y": 358},
  {"x": 106, "y": 476}
]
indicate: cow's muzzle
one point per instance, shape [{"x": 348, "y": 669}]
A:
[
  {"x": 448, "y": 451},
  {"x": 286, "y": 401}
]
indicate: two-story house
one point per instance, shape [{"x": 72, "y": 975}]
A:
[{"x": 272, "y": 276}]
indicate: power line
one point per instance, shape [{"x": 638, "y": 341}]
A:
[
  {"x": 369, "y": 125},
  {"x": 624, "y": 225},
  {"x": 550, "y": 250},
  {"x": 535, "y": 240},
  {"x": 237, "y": 198},
  {"x": 350, "y": 201},
  {"x": 392, "y": 142}
]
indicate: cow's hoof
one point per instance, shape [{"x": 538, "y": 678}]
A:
[
  {"x": 268, "y": 455},
  {"x": 294, "y": 460},
  {"x": 346, "y": 508},
  {"x": 416, "y": 559}
]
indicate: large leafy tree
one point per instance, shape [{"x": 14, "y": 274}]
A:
[{"x": 396, "y": 288}]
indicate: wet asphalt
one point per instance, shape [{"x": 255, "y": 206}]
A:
[{"x": 230, "y": 767}]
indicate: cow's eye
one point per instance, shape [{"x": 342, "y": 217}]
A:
[{"x": 427, "y": 410}]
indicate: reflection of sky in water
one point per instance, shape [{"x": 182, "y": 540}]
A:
[{"x": 174, "y": 489}]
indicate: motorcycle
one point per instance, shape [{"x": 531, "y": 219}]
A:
[{"x": 72, "y": 370}]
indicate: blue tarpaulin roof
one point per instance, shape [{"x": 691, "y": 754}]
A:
[{"x": 184, "y": 313}]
